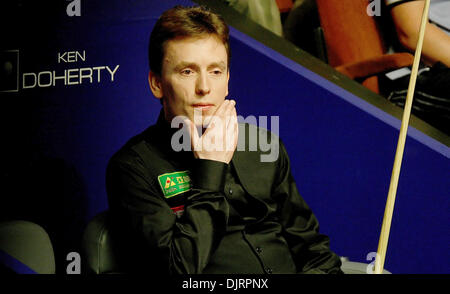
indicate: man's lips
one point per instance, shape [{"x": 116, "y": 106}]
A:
[{"x": 202, "y": 106}]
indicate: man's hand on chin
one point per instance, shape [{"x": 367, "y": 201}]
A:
[{"x": 220, "y": 138}]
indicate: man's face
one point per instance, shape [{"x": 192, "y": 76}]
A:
[{"x": 194, "y": 77}]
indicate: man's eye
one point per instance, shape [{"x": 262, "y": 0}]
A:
[
  {"x": 187, "y": 72},
  {"x": 217, "y": 72}
]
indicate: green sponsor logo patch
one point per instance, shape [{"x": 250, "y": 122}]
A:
[{"x": 174, "y": 183}]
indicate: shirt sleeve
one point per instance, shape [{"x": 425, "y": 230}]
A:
[
  {"x": 310, "y": 249},
  {"x": 182, "y": 245}
]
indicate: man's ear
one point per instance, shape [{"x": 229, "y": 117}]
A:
[{"x": 154, "y": 81}]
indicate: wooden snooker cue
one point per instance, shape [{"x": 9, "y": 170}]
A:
[{"x": 385, "y": 228}]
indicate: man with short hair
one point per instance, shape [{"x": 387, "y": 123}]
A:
[{"x": 203, "y": 209}]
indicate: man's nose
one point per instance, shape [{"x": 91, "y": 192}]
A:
[{"x": 202, "y": 86}]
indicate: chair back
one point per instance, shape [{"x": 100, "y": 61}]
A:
[
  {"x": 351, "y": 34},
  {"x": 25, "y": 248},
  {"x": 99, "y": 252}
]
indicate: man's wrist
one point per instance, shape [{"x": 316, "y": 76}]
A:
[{"x": 209, "y": 175}]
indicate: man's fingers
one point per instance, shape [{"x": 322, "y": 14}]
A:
[
  {"x": 219, "y": 140},
  {"x": 231, "y": 111},
  {"x": 232, "y": 130},
  {"x": 225, "y": 108},
  {"x": 232, "y": 115},
  {"x": 220, "y": 116},
  {"x": 193, "y": 133}
]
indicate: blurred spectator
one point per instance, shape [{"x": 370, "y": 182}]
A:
[
  {"x": 400, "y": 22},
  {"x": 301, "y": 24},
  {"x": 266, "y": 13},
  {"x": 406, "y": 16},
  {"x": 432, "y": 94}
]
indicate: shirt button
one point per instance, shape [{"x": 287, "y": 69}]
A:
[
  {"x": 269, "y": 270},
  {"x": 231, "y": 191}
]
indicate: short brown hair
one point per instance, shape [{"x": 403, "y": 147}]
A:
[{"x": 183, "y": 22}]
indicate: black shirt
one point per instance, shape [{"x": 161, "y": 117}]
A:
[{"x": 242, "y": 217}]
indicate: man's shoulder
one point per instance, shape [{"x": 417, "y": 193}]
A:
[
  {"x": 250, "y": 130},
  {"x": 137, "y": 147},
  {"x": 257, "y": 144}
]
